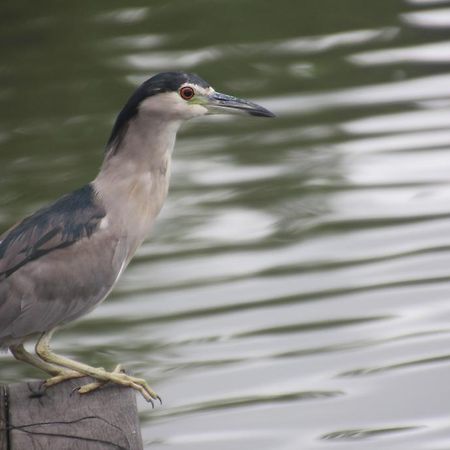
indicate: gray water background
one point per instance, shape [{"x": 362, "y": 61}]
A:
[{"x": 294, "y": 293}]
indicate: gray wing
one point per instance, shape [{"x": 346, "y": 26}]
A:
[
  {"x": 51, "y": 268},
  {"x": 69, "y": 219}
]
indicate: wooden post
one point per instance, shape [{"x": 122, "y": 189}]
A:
[
  {"x": 59, "y": 418},
  {"x": 3, "y": 419}
]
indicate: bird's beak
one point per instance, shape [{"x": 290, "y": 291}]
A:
[{"x": 226, "y": 104}]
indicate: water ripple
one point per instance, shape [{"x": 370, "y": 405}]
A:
[
  {"x": 295, "y": 290},
  {"x": 435, "y": 18},
  {"x": 429, "y": 53},
  {"x": 366, "y": 433}
]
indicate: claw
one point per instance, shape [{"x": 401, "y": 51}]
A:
[
  {"x": 118, "y": 369},
  {"x": 75, "y": 369},
  {"x": 118, "y": 376}
]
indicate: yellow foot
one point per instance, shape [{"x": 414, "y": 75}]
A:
[
  {"x": 118, "y": 377},
  {"x": 62, "y": 375},
  {"x": 85, "y": 389}
]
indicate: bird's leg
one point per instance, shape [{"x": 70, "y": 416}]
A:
[
  {"x": 19, "y": 352},
  {"x": 101, "y": 375}
]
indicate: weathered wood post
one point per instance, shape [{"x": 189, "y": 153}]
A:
[
  {"x": 61, "y": 419},
  {"x": 3, "y": 416}
]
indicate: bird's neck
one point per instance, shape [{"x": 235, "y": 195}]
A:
[
  {"x": 143, "y": 144},
  {"x": 134, "y": 178}
]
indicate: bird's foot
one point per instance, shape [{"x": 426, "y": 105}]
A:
[
  {"x": 118, "y": 377},
  {"x": 61, "y": 375},
  {"x": 90, "y": 387}
]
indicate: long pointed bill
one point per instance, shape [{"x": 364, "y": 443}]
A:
[{"x": 221, "y": 104}]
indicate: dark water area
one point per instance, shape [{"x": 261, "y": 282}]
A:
[{"x": 295, "y": 292}]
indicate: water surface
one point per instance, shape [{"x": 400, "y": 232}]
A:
[{"x": 294, "y": 293}]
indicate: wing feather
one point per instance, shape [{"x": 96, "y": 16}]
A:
[{"x": 73, "y": 217}]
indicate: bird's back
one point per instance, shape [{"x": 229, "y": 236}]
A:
[{"x": 51, "y": 268}]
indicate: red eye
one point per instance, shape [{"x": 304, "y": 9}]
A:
[{"x": 187, "y": 92}]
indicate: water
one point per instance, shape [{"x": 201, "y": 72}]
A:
[{"x": 295, "y": 291}]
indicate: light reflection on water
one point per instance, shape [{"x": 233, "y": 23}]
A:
[{"x": 294, "y": 293}]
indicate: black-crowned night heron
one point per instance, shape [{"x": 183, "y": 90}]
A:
[{"x": 64, "y": 259}]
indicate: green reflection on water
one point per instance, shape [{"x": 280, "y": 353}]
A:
[{"x": 270, "y": 228}]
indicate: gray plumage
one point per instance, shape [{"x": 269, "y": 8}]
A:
[
  {"x": 49, "y": 266},
  {"x": 59, "y": 263}
]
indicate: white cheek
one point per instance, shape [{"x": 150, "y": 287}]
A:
[
  {"x": 186, "y": 111},
  {"x": 172, "y": 106},
  {"x": 165, "y": 103},
  {"x": 198, "y": 110}
]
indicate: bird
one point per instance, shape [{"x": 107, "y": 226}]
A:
[{"x": 60, "y": 262}]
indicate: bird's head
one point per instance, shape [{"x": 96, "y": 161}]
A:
[
  {"x": 183, "y": 96},
  {"x": 178, "y": 96}
]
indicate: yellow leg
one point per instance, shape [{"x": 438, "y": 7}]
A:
[
  {"x": 101, "y": 375},
  {"x": 20, "y": 353}
]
